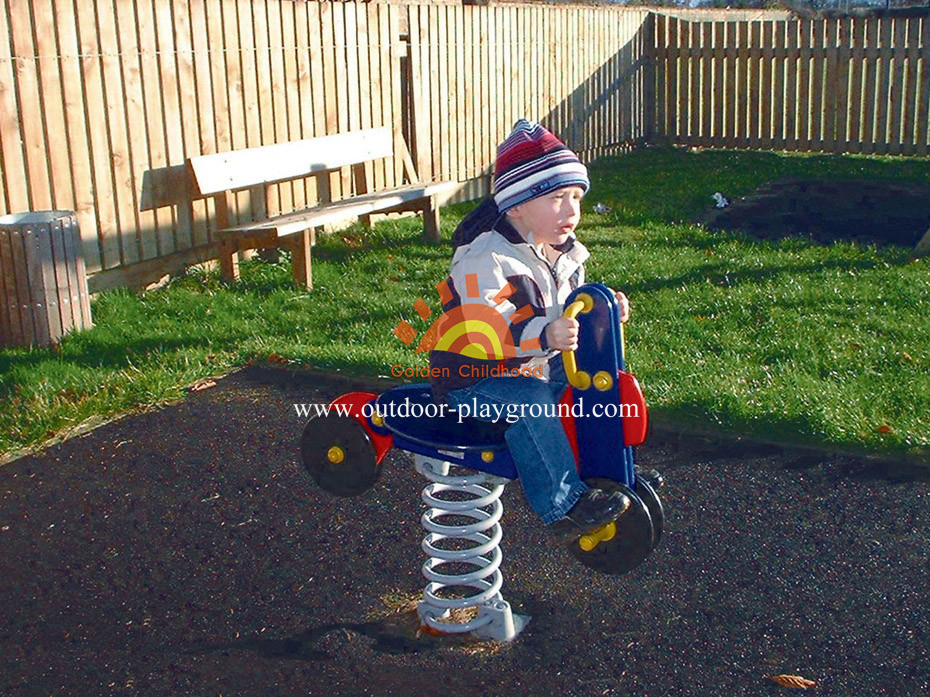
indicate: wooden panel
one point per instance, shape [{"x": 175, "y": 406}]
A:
[
  {"x": 831, "y": 68},
  {"x": 766, "y": 86},
  {"x": 305, "y": 86},
  {"x": 38, "y": 308},
  {"x": 754, "y": 74},
  {"x": 896, "y": 89},
  {"x": 328, "y": 56},
  {"x": 62, "y": 197},
  {"x": 315, "y": 39},
  {"x": 924, "y": 93},
  {"x": 661, "y": 81},
  {"x": 173, "y": 117},
  {"x": 341, "y": 68},
  {"x": 804, "y": 78},
  {"x": 718, "y": 63},
  {"x": 439, "y": 103},
  {"x": 419, "y": 133},
  {"x": 792, "y": 98},
  {"x": 59, "y": 281},
  {"x": 742, "y": 99},
  {"x": 28, "y": 96},
  {"x": 844, "y": 54},
  {"x": 108, "y": 234},
  {"x": 161, "y": 234},
  {"x": 22, "y": 287},
  {"x": 396, "y": 114},
  {"x": 671, "y": 86},
  {"x": 870, "y": 86},
  {"x": 704, "y": 125},
  {"x": 292, "y": 81},
  {"x": 910, "y": 96},
  {"x": 195, "y": 212},
  {"x": 80, "y": 176},
  {"x": 857, "y": 57},
  {"x": 684, "y": 77},
  {"x": 281, "y": 93},
  {"x": 883, "y": 97},
  {"x": 15, "y": 331},
  {"x": 732, "y": 86},
  {"x": 484, "y": 95},
  {"x": 13, "y": 172},
  {"x": 779, "y": 67}
]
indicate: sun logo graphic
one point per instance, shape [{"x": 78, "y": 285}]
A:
[{"x": 472, "y": 329}]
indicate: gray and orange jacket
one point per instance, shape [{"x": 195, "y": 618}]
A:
[{"x": 498, "y": 268}]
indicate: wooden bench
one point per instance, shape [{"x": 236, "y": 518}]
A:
[{"x": 221, "y": 175}]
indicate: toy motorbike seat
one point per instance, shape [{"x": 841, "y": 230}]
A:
[{"x": 470, "y": 443}]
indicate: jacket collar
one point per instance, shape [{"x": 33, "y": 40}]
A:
[{"x": 571, "y": 247}]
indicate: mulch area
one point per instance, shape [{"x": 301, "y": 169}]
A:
[
  {"x": 825, "y": 211},
  {"x": 184, "y": 551}
]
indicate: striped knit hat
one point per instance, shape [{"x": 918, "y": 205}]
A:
[{"x": 533, "y": 162}]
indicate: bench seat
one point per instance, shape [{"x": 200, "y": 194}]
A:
[{"x": 338, "y": 211}]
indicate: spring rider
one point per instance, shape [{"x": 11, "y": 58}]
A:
[{"x": 468, "y": 464}]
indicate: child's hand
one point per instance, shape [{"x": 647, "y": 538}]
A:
[
  {"x": 562, "y": 334},
  {"x": 624, "y": 304}
]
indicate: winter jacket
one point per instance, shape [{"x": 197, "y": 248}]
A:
[{"x": 487, "y": 262}]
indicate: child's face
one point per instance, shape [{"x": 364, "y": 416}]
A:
[{"x": 551, "y": 217}]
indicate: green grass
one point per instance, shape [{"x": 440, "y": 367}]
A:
[{"x": 781, "y": 340}]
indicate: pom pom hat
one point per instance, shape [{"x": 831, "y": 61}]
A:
[{"x": 532, "y": 162}]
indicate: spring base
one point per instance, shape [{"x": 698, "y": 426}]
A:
[{"x": 495, "y": 620}]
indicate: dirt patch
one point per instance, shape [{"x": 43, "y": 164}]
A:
[{"x": 861, "y": 211}]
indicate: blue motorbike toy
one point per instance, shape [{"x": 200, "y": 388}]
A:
[{"x": 344, "y": 453}]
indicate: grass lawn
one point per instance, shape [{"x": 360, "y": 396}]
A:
[{"x": 783, "y": 340}]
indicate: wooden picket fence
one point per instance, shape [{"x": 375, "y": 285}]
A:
[
  {"x": 102, "y": 101},
  {"x": 833, "y": 85},
  {"x": 101, "y": 107}
]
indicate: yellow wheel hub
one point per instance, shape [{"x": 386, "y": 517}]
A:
[
  {"x": 335, "y": 455},
  {"x": 605, "y": 534}
]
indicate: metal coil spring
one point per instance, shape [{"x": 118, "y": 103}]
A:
[{"x": 485, "y": 533}]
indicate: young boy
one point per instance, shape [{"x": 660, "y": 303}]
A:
[{"x": 526, "y": 253}]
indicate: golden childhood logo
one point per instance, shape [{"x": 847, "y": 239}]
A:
[{"x": 473, "y": 329}]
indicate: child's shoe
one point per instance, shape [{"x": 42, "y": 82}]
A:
[{"x": 595, "y": 509}]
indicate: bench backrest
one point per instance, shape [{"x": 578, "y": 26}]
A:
[{"x": 242, "y": 169}]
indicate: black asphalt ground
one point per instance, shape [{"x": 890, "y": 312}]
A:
[{"x": 184, "y": 551}]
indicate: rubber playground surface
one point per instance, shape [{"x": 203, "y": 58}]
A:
[{"x": 185, "y": 551}]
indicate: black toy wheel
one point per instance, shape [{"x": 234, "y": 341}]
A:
[
  {"x": 339, "y": 455},
  {"x": 632, "y": 542},
  {"x": 654, "y": 505}
]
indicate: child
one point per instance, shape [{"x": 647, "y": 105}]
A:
[{"x": 520, "y": 244}]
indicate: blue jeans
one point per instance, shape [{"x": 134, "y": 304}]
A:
[{"x": 538, "y": 444}]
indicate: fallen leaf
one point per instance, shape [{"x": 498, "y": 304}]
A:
[
  {"x": 275, "y": 358},
  {"x": 795, "y": 681},
  {"x": 884, "y": 429},
  {"x": 906, "y": 356},
  {"x": 203, "y": 385}
]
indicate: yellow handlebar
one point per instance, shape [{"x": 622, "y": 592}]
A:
[{"x": 583, "y": 304}]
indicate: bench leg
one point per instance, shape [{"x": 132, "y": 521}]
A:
[
  {"x": 365, "y": 220},
  {"x": 431, "y": 219},
  {"x": 300, "y": 258},
  {"x": 229, "y": 259}
]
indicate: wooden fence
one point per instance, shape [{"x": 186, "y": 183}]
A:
[
  {"x": 102, "y": 101},
  {"x": 834, "y": 85}
]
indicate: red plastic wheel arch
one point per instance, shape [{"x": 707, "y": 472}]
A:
[{"x": 357, "y": 400}]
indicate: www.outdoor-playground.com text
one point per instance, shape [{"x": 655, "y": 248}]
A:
[{"x": 484, "y": 412}]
